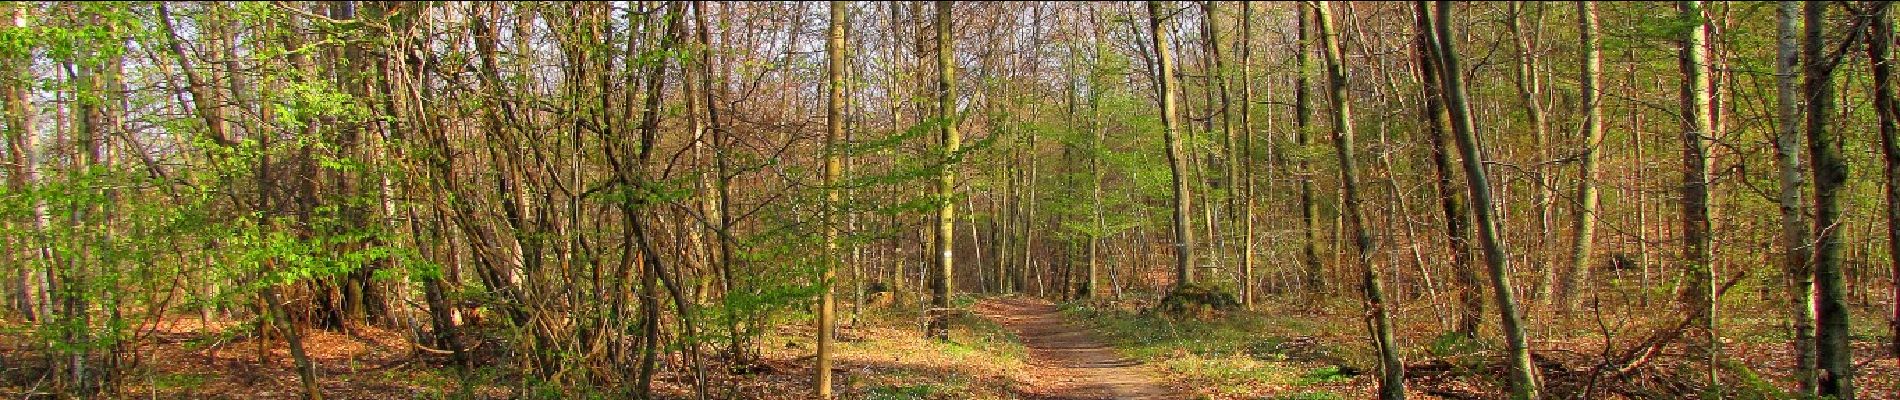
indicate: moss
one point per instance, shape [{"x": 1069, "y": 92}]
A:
[{"x": 1198, "y": 299}]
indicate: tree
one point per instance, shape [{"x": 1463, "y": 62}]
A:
[
  {"x": 1177, "y": 163},
  {"x": 1524, "y": 382},
  {"x": 1302, "y": 138},
  {"x": 1391, "y": 368},
  {"x": 942, "y": 281},
  {"x": 1794, "y": 236},
  {"x": 1880, "y": 54},
  {"x": 1794, "y": 230},
  {"x": 1530, "y": 98},
  {"x": 1450, "y": 202},
  {"x": 1584, "y": 224},
  {"x": 833, "y": 168},
  {"x": 1833, "y": 356},
  {"x": 34, "y": 279},
  {"x": 1696, "y": 131},
  {"x": 1247, "y": 183},
  {"x": 1231, "y": 143}
]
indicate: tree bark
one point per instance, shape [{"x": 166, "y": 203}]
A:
[
  {"x": 1530, "y": 97},
  {"x": 1880, "y": 54},
  {"x": 1794, "y": 229},
  {"x": 1450, "y": 202},
  {"x": 1696, "y": 128},
  {"x": 1833, "y": 357},
  {"x": 942, "y": 284},
  {"x": 1524, "y": 385},
  {"x": 1247, "y": 285},
  {"x": 1391, "y": 368},
  {"x": 1584, "y": 224},
  {"x": 1177, "y": 163},
  {"x": 1303, "y": 168},
  {"x": 834, "y": 130}
]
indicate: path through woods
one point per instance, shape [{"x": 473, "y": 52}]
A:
[{"x": 1068, "y": 361}]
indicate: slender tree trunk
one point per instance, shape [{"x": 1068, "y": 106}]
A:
[
  {"x": 1794, "y": 215},
  {"x": 1177, "y": 162},
  {"x": 1584, "y": 224},
  {"x": 1391, "y": 368},
  {"x": 1246, "y": 158},
  {"x": 943, "y": 282},
  {"x": 1096, "y": 154},
  {"x": 1524, "y": 385},
  {"x": 1697, "y": 125},
  {"x": 1529, "y": 92},
  {"x": 833, "y": 168},
  {"x": 1829, "y": 168},
  {"x": 1450, "y": 202},
  {"x": 1880, "y": 53},
  {"x": 1230, "y": 140},
  {"x": 1303, "y": 169}
]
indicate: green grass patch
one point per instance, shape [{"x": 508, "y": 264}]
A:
[
  {"x": 904, "y": 392},
  {"x": 179, "y": 381},
  {"x": 1326, "y": 374},
  {"x": 1310, "y": 396}
]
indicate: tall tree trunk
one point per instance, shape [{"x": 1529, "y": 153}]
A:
[
  {"x": 1303, "y": 169},
  {"x": 1177, "y": 162},
  {"x": 942, "y": 284},
  {"x": 1450, "y": 202},
  {"x": 1833, "y": 356},
  {"x": 1794, "y": 215},
  {"x": 1391, "y": 368},
  {"x": 1524, "y": 385},
  {"x": 1880, "y": 53},
  {"x": 833, "y": 168},
  {"x": 1584, "y": 224},
  {"x": 740, "y": 348},
  {"x": 1530, "y": 97},
  {"x": 1097, "y": 152},
  {"x": 1230, "y": 141},
  {"x": 1696, "y": 126},
  {"x": 652, "y": 266},
  {"x": 1246, "y": 157}
]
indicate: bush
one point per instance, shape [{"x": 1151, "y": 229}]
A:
[{"x": 1198, "y": 299}]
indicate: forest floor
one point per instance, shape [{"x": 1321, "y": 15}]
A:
[{"x": 1006, "y": 348}]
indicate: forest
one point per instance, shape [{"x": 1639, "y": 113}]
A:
[{"x": 949, "y": 200}]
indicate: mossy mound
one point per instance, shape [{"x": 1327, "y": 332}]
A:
[{"x": 1198, "y": 299}]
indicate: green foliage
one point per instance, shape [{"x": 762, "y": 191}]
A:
[
  {"x": 1326, "y": 374},
  {"x": 179, "y": 381},
  {"x": 1743, "y": 383},
  {"x": 1195, "y": 298},
  {"x": 1310, "y": 396},
  {"x": 1451, "y": 344},
  {"x": 905, "y": 392}
]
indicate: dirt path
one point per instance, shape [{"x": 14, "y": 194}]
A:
[{"x": 1067, "y": 361}]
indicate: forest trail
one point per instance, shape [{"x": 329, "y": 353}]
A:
[{"x": 1067, "y": 361}]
